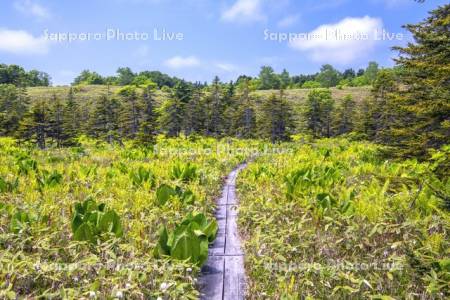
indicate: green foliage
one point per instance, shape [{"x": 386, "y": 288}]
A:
[
  {"x": 16, "y": 75},
  {"x": 46, "y": 247},
  {"x": 184, "y": 172},
  {"x": 328, "y": 76},
  {"x": 20, "y": 221},
  {"x": 268, "y": 80},
  {"x": 276, "y": 123},
  {"x": 92, "y": 221},
  {"x": 311, "y": 84},
  {"x": 8, "y": 186},
  {"x": 422, "y": 107},
  {"x": 332, "y": 218},
  {"x": 189, "y": 240},
  {"x": 48, "y": 179},
  {"x": 318, "y": 112},
  {"x": 142, "y": 176},
  {"x": 164, "y": 192}
]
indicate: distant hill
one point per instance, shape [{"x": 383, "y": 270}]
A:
[{"x": 91, "y": 92}]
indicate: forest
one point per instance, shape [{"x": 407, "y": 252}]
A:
[{"x": 108, "y": 186}]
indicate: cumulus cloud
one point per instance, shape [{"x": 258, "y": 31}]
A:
[
  {"x": 22, "y": 42},
  {"x": 29, "y": 7},
  {"x": 178, "y": 62},
  {"x": 342, "y": 42},
  {"x": 244, "y": 11}
]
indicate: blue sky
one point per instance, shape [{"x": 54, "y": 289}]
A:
[{"x": 219, "y": 37}]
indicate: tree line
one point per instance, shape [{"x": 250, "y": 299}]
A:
[
  {"x": 408, "y": 108},
  {"x": 267, "y": 78},
  {"x": 16, "y": 75}
]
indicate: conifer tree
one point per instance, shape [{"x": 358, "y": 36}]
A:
[
  {"x": 195, "y": 116},
  {"x": 216, "y": 109},
  {"x": 245, "y": 120},
  {"x": 423, "y": 106},
  {"x": 318, "y": 113},
  {"x": 34, "y": 125},
  {"x": 345, "y": 115},
  {"x": 104, "y": 121},
  {"x": 130, "y": 111},
  {"x": 71, "y": 119},
  {"x": 55, "y": 127},
  {"x": 13, "y": 105},
  {"x": 276, "y": 120},
  {"x": 171, "y": 116},
  {"x": 148, "y": 124}
]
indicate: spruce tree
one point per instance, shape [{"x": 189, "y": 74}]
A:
[
  {"x": 104, "y": 120},
  {"x": 130, "y": 111},
  {"x": 344, "y": 118},
  {"x": 71, "y": 120},
  {"x": 216, "y": 109},
  {"x": 195, "y": 114},
  {"x": 148, "y": 124},
  {"x": 423, "y": 101},
  {"x": 245, "y": 119},
  {"x": 276, "y": 119},
  {"x": 318, "y": 112},
  {"x": 13, "y": 105},
  {"x": 55, "y": 126},
  {"x": 171, "y": 116},
  {"x": 34, "y": 125}
]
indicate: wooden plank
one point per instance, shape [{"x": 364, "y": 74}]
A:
[
  {"x": 223, "y": 276},
  {"x": 234, "y": 280},
  {"x": 211, "y": 280},
  {"x": 232, "y": 239}
]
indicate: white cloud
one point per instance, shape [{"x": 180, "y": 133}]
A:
[
  {"x": 244, "y": 11},
  {"x": 22, "y": 42},
  {"x": 342, "y": 42},
  {"x": 288, "y": 21},
  {"x": 227, "y": 67},
  {"x": 29, "y": 7},
  {"x": 178, "y": 62}
]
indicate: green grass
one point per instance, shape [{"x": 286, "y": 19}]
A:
[
  {"x": 332, "y": 220},
  {"x": 39, "y": 254},
  {"x": 296, "y": 96},
  {"x": 92, "y": 92}
]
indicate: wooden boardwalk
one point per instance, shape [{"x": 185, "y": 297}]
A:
[{"x": 223, "y": 275}]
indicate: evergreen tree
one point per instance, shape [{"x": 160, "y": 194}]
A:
[
  {"x": 318, "y": 113},
  {"x": 371, "y": 72},
  {"x": 423, "y": 102},
  {"x": 382, "y": 106},
  {"x": 55, "y": 126},
  {"x": 345, "y": 115},
  {"x": 13, "y": 106},
  {"x": 130, "y": 112},
  {"x": 148, "y": 125},
  {"x": 104, "y": 120},
  {"x": 276, "y": 120},
  {"x": 35, "y": 124},
  {"x": 71, "y": 120},
  {"x": 171, "y": 116},
  {"x": 216, "y": 109},
  {"x": 245, "y": 120},
  {"x": 285, "y": 79},
  {"x": 195, "y": 117}
]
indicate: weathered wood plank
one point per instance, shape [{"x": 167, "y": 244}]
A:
[{"x": 234, "y": 280}]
